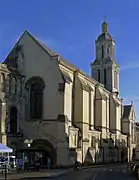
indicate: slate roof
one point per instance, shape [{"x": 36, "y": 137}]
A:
[
  {"x": 126, "y": 111},
  {"x": 104, "y": 37}
]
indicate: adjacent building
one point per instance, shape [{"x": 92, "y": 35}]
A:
[{"x": 49, "y": 107}]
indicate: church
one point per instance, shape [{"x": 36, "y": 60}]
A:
[{"x": 51, "y": 108}]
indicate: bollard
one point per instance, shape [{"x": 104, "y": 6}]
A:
[{"x": 5, "y": 172}]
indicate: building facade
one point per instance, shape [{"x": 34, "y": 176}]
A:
[{"x": 50, "y": 105}]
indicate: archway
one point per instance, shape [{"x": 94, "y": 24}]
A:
[
  {"x": 13, "y": 120},
  {"x": 44, "y": 149}
]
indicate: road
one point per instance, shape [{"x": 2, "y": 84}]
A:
[{"x": 103, "y": 173}]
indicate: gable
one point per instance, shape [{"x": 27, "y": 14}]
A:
[
  {"x": 128, "y": 112},
  {"x": 12, "y": 58}
]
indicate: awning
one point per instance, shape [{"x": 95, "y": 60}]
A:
[{"x": 4, "y": 148}]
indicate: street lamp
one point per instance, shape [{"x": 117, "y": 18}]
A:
[{"x": 28, "y": 142}]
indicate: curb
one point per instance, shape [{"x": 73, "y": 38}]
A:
[
  {"x": 102, "y": 165},
  {"x": 47, "y": 176}
]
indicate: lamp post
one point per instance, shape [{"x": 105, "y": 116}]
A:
[{"x": 28, "y": 142}]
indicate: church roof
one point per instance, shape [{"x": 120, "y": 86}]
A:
[
  {"x": 127, "y": 110},
  {"x": 46, "y": 49},
  {"x": 53, "y": 53},
  {"x": 61, "y": 59},
  {"x": 104, "y": 37}
]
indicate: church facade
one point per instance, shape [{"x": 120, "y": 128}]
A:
[{"x": 50, "y": 105}]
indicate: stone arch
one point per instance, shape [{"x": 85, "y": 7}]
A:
[
  {"x": 13, "y": 119},
  {"x": 45, "y": 145},
  {"x": 34, "y": 79}
]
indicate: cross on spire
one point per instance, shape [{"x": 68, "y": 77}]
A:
[
  {"x": 105, "y": 18},
  {"x": 104, "y": 26}
]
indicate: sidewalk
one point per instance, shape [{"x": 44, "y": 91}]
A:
[
  {"x": 49, "y": 173},
  {"x": 34, "y": 175}
]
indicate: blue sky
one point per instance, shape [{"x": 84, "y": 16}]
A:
[{"x": 71, "y": 27}]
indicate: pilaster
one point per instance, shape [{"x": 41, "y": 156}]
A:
[{"x": 3, "y": 124}]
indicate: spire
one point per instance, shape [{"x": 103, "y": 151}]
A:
[{"x": 104, "y": 26}]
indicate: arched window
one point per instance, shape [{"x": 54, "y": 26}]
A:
[
  {"x": 13, "y": 84},
  {"x": 18, "y": 85},
  {"x": 8, "y": 83},
  {"x": 102, "y": 49},
  {"x": 98, "y": 75},
  {"x": 2, "y": 82},
  {"x": 13, "y": 120},
  {"x": 36, "y": 100},
  {"x": 35, "y": 87}
]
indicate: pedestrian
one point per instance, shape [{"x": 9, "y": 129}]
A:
[
  {"x": 48, "y": 163},
  {"x": 20, "y": 164},
  {"x": 76, "y": 166}
]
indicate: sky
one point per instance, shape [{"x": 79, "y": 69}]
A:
[{"x": 70, "y": 28}]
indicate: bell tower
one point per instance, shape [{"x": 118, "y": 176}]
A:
[{"x": 104, "y": 68}]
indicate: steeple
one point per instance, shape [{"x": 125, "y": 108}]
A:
[
  {"x": 104, "y": 68},
  {"x": 104, "y": 27}
]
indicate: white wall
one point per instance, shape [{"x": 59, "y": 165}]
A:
[{"x": 38, "y": 63}]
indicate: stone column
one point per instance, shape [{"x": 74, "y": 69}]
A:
[{"x": 3, "y": 123}]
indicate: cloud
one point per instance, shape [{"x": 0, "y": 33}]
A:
[{"x": 130, "y": 66}]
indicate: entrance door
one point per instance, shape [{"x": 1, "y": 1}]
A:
[{"x": 13, "y": 120}]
